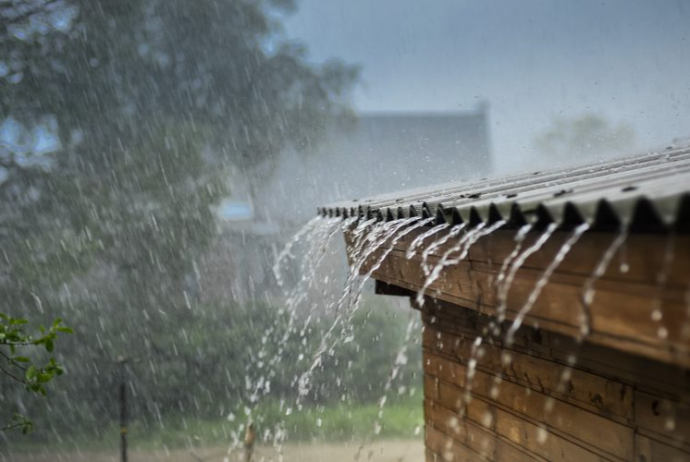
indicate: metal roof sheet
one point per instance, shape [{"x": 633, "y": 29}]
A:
[{"x": 646, "y": 192}]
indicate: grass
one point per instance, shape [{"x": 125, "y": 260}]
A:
[{"x": 399, "y": 420}]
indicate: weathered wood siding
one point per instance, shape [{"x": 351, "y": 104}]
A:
[
  {"x": 642, "y": 310},
  {"x": 620, "y": 394},
  {"x": 527, "y": 403}
]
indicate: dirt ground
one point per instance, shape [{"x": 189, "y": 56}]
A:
[{"x": 381, "y": 451}]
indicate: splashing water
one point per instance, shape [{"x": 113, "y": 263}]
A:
[
  {"x": 422, "y": 237},
  {"x": 313, "y": 240},
  {"x": 369, "y": 236},
  {"x": 357, "y": 246},
  {"x": 454, "y": 231},
  {"x": 395, "y": 240},
  {"x": 544, "y": 279},
  {"x": 369, "y": 244},
  {"x": 588, "y": 290},
  {"x": 400, "y": 360},
  {"x": 286, "y": 253},
  {"x": 472, "y": 368},
  {"x": 515, "y": 266},
  {"x": 519, "y": 239},
  {"x": 380, "y": 233},
  {"x": 465, "y": 243},
  {"x": 402, "y": 228}
]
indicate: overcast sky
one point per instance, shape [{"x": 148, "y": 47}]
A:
[{"x": 628, "y": 60}]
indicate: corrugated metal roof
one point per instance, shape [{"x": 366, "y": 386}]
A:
[{"x": 646, "y": 192}]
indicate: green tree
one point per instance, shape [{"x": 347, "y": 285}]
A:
[
  {"x": 121, "y": 119},
  {"x": 586, "y": 135},
  {"x": 17, "y": 364}
]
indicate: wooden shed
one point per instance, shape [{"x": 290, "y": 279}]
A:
[{"x": 557, "y": 313}]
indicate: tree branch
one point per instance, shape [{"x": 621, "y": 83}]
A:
[
  {"x": 11, "y": 426},
  {"x": 14, "y": 363},
  {"x": 11, "y": 375}
]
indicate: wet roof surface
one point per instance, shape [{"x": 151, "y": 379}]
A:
[{"x": 646, "y": 192}]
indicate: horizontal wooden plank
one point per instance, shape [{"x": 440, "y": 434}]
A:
[
  {"x": 653, "y": 377},
  {"x": 648, "y": 276},
  {"x": 511, "y": 428},
  {"x": 481, "y": 440},
  {"x": 623, "y": 320},
  {"x": 591, "y": 392},
  {"x": 448, "y": 449},
  {"x": 657, "y": 413},
  {"x": 665, "y": 418},
  {"x": 431, "y": 456},
  {"x": 650, "y": 450},
  {"x": 557, "y": 415},
  {"x": 639, "y": 260}
]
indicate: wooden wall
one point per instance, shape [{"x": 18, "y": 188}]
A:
[
  {"x": 624, "y": 395},
  {"x": 527, "y": 403},
  {"x": 632, "y": 310}
]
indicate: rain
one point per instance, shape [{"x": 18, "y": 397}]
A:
[{"x": 326, "y": 230}]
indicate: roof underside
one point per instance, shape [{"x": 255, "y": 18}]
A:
[{"x": 648, "y": 192}]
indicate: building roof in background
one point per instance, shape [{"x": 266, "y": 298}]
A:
[
  {"x": 645, "y": 192},
  {"x": 413, "y": 149}
]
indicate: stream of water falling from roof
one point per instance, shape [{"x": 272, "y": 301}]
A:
[
  {"x": 313, "y": 239},
  {"x": 395, "y": 240},
  {"x": 519, "y": 239},
  {"x": 286, "y": 252},
  {"x": 419, "y": 240},
  {"x": 369, "y": 236},
  {"x": 380, "y": 233},
  {"x": 356, "y": 248},
  {"x": 400, "y": 360},
  {"x": 397, "y": 229},
  {"x": 506, "y": 358},
  {"x": 476, "y": 350},
  {"x": 588, "y": 290},
  {"x": 515, "y": 266},
  {"x": 454, "y": 231},
  {"x": 463, "y": 245},
  {"x": 544, "y": 279},
  {"x": 369, "y": 245}
]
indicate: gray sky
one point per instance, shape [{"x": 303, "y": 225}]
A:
[{"x": 628, "y": 60}]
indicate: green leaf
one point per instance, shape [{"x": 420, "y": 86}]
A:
[
  {"x": 21, "y": 359},
  {"x": 65, "y": 330},
  {"x": 31, "y": 373},
  {"x": 49, "y": 345}
]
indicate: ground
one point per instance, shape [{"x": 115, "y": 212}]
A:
[{"x": 381, "y": 451}]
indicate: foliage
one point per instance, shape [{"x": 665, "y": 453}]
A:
[
  {"x": 209, "y": 368},
  {"x": 24, "y": 369},
  {"x": 587, "y": 135},
  {"x": 146, "y": 104}
]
